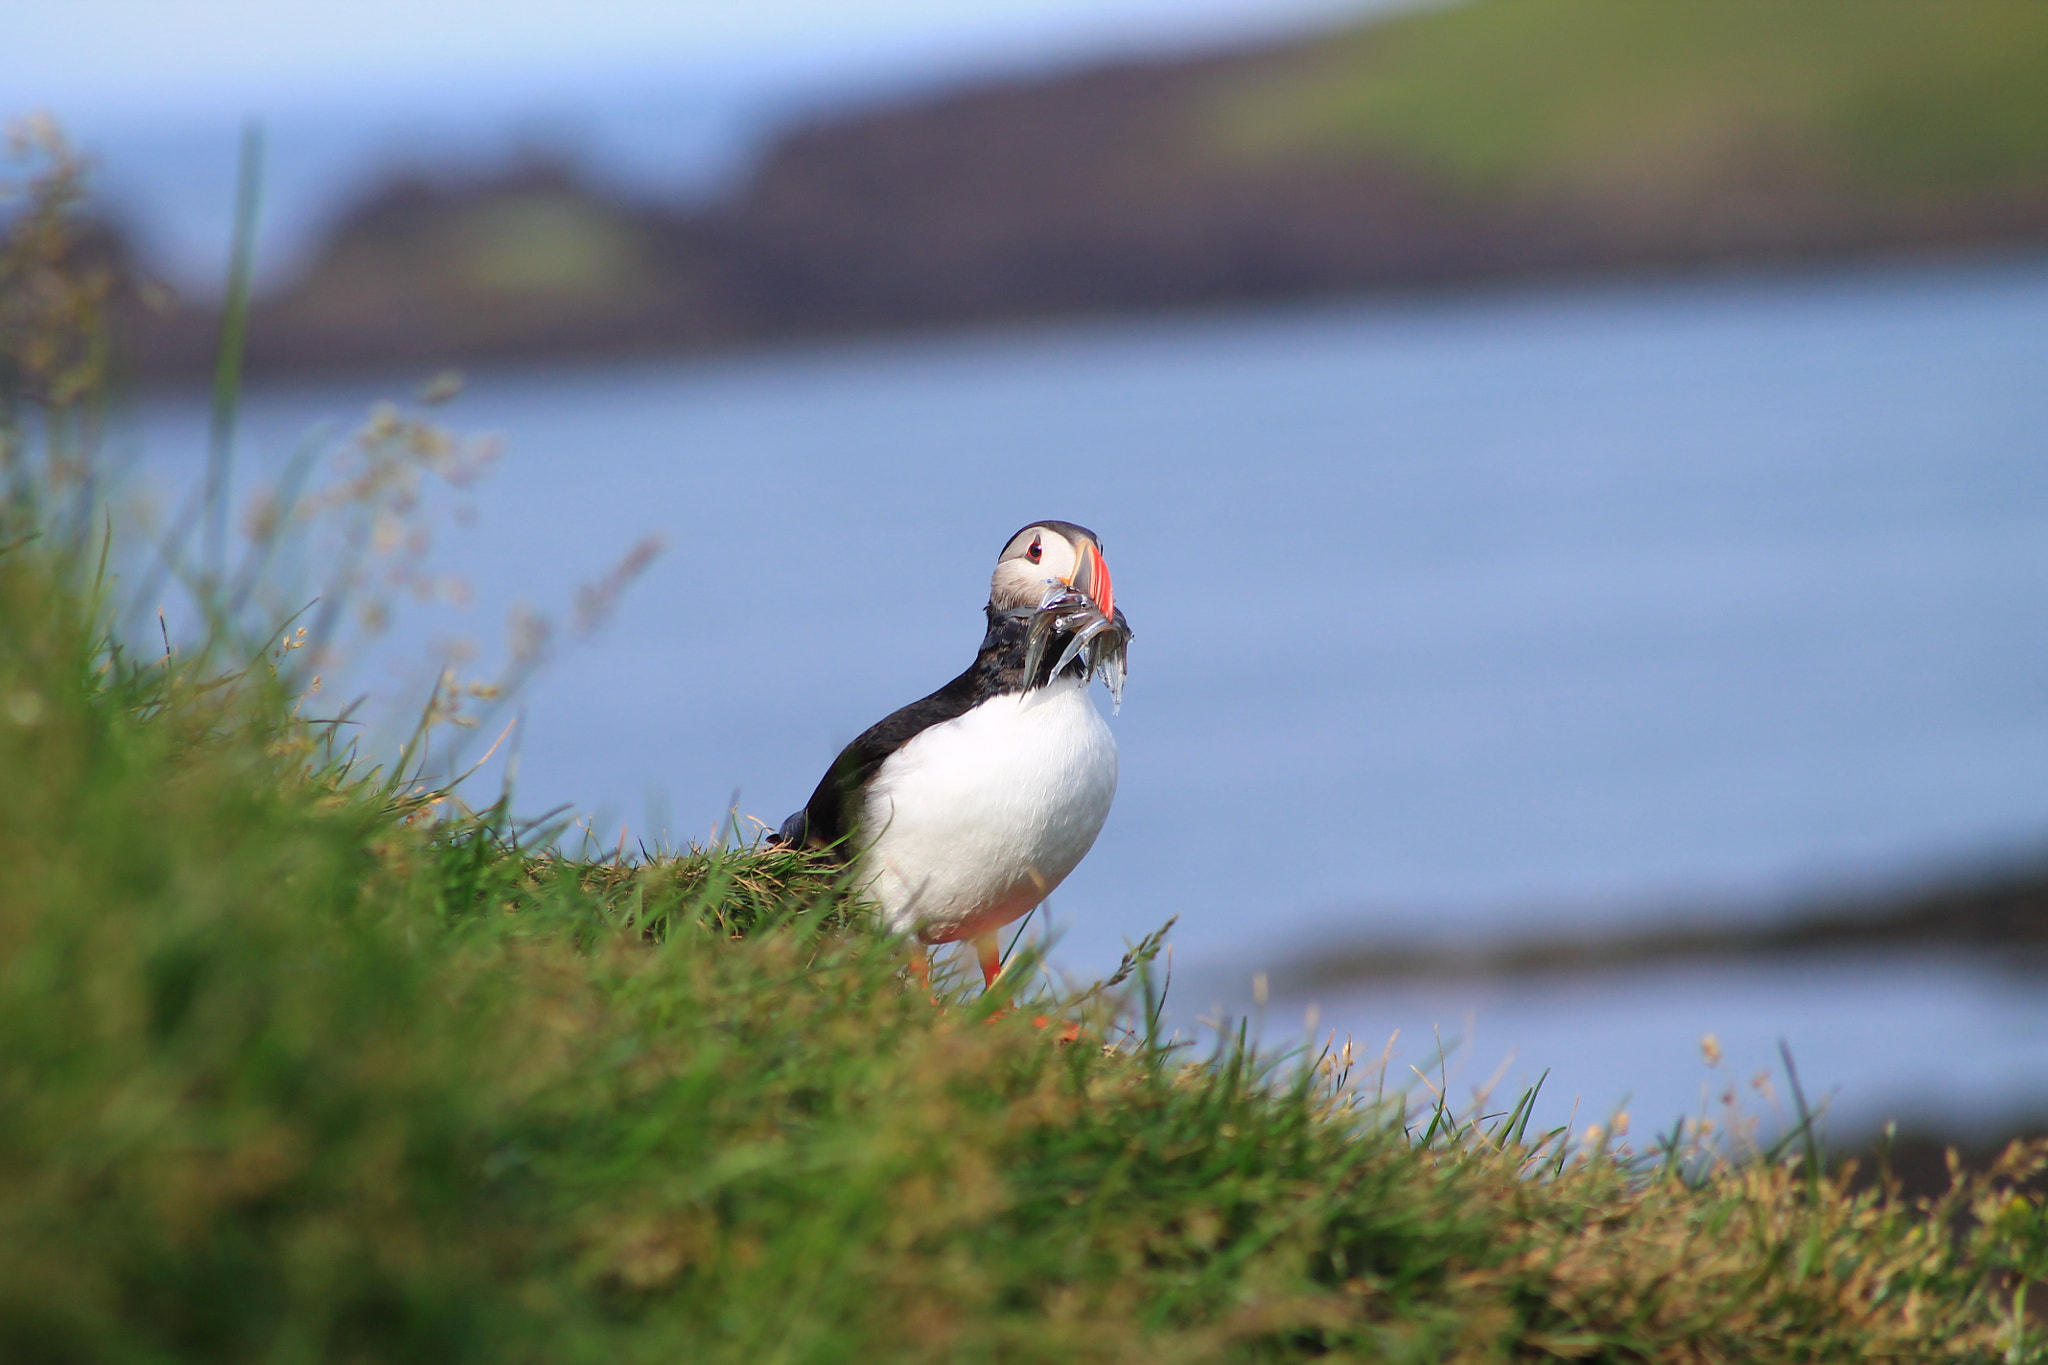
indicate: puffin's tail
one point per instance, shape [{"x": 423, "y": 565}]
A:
[{"x": 797, "y": 833}]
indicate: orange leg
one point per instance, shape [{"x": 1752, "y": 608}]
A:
[
  {"x": 989, "y": 952},
  {"x": 921, "y": 969}
]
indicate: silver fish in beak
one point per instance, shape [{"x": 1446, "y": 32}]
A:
[{"x": 1082, "y": 610}]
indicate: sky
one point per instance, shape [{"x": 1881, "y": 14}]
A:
[{"x": 158, "y": 57}]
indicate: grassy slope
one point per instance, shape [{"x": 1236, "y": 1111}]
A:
[
  {"x": 296, "y": 1067},
  {"x": 1900, "y": 96},
  {"x": 293, "y": 1074}
]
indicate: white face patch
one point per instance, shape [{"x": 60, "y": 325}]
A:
[{"x": 1034, "y": 560}]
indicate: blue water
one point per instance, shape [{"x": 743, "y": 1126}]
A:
[{"x": 1547, "y": 608}]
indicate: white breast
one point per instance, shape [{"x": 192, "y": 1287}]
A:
[{"x": 977, "y": 819}]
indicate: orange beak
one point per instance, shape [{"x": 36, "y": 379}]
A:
[{"x": 1091, "y": 576}]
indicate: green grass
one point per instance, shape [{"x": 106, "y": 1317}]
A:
[
  {"x": 1892, "y": 96},
  {"x": 301, "y": 1061}
]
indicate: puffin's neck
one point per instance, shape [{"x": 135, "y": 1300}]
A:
[{"x": 999, "y": 665}]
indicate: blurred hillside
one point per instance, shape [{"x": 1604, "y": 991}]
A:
[{"x": 1490, "y": 139}]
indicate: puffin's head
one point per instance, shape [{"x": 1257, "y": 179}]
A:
[{"x": 1049, "y": 554}]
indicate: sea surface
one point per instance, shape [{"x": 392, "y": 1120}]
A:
[{"x": 1508, "y": 611}]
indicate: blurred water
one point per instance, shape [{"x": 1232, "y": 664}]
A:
[
  {"x": 1941, "y": 1041},
  {"x": 1451, "y": 616}
]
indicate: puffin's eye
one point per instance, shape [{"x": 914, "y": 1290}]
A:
[{"x": 1036, "y": 552}]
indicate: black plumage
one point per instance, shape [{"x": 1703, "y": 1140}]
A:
[{"x": 829, "y": 817}]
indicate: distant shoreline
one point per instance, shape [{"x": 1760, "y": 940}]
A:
[
  {"x": 1393, "y": 159},
  {"x": 2001, "y": 909}
]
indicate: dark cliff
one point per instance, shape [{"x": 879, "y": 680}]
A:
[{"x": 1487, "y": 140}]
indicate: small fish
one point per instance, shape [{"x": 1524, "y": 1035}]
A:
[{"x": 1097, "y": 640}]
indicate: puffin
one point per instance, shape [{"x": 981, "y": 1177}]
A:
[{"x": 961, "y": 812}]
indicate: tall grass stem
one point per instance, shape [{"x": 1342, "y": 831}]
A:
[{"x": 227, "y": 367}]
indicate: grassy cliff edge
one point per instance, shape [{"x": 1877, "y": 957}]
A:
[
  {"x": 303, "y": 1060},
  {"x": 296, "y": 1071}
]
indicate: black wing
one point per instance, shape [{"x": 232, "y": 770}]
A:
[{"x": 827, "y": 821}]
